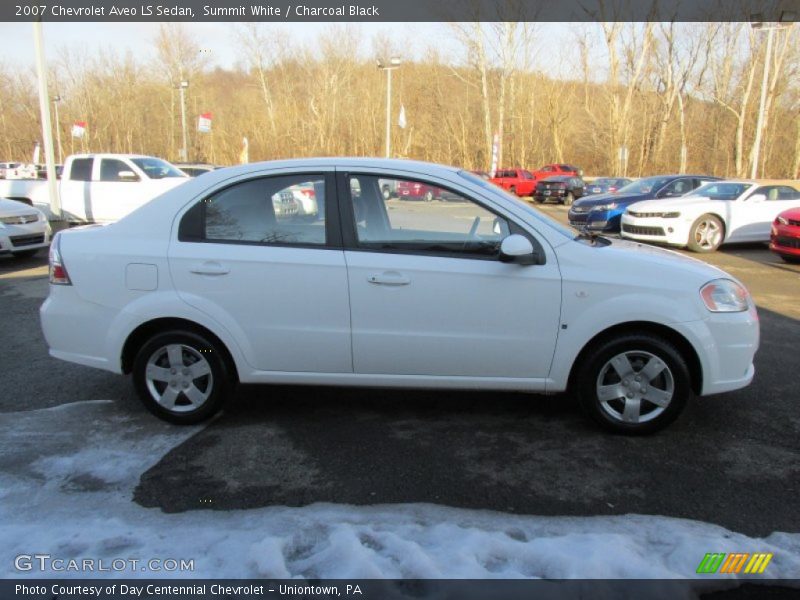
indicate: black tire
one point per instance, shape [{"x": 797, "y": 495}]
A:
[
  {"x": 696, "y": 242},
  {"x": 792, "y": 260},
  {"x": 218, "y": 384},
  {"x": 568, "y": 199},
  {"x": 25, "y": 253},
  {"x": 639, "y": 349}
]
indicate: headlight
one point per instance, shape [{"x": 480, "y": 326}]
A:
[
  {"x": 609, "y": 206},
  {"x": 724, "y": 295},
  {"x": 782, "y": 220}
]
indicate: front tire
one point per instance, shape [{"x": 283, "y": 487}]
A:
[
  {"x": 706, "y": 234},
  {"x": 635, "y": 384},
  {"x": 181, "y": 376}
]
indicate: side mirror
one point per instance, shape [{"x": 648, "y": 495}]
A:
[
  {"x": 518, "y": 249},
  {"x": 127, "y": 176},
  {"x": 756, "y": 198}
]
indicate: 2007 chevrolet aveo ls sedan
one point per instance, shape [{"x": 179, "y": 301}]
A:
[{"x": 225, "y": 279}]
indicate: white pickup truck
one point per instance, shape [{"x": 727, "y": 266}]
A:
[{"x": 99, "y": 188}]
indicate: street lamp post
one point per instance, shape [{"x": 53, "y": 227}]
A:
[
  {"x": 393, "y": 63},
  {"x": 184, "y": 149},
  {"x": 56, "y": 100},
  {"x": 770, "y": 28}
]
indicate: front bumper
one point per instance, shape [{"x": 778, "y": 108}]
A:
[
  {"x": 785, "y": 239},
  {"x": 674, "y": 232},
  {"x": 20, "y": 238},
  {"x": 726, "y": 344},
  {"x": 595, "y": 220}
]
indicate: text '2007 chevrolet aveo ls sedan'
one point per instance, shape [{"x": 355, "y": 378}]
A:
[{"x": 223, "y": 280}]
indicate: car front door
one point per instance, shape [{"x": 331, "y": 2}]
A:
[
  {"x": 273, "y": 276},
  {"x": 752, "y": 216},
  {"x": 429, "y": 295},
  {"x": 116, "y": 189}
]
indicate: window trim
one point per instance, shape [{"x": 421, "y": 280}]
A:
[
  {"x": 350, "y": 240},
  {"x": 195, "y": 233}
]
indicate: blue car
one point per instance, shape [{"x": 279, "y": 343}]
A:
[
  {"x": 606, "y": 185},
  {"x": 603, "y": 212}
]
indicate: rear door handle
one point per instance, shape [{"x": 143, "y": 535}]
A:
[
  {"x": 210, "y": 268},
  {"x": 389, "y": 278}
]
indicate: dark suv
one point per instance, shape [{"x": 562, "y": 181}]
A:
[{"x": 561, "y": 188}]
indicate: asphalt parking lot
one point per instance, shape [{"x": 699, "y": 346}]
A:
[{"x": 733, "y": 459}]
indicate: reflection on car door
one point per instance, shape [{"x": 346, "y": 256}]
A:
[
  {"x": 429, "y": 296},
  {"x": 275, "y": 278}
]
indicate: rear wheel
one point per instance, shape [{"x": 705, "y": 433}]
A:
[
  {"x": 181, "y": 376},
  {"x": 706, "y": 234},
  {"x": 635, "y": 384}
]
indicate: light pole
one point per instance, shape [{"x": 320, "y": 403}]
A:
[
  {"x": 56, "y": 99},
  {"x": 393, "y": 63},
  {"x": 184, "y": 150},
  {"x": 770, "y": 28}
]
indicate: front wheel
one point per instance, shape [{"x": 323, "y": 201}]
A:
[
  {"x": 706, "y": 234},
  {"x": 181, "y": 376},
  {"x": 635, "y": 384}
]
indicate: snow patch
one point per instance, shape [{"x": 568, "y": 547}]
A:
[{"x": 68, "y": 474}]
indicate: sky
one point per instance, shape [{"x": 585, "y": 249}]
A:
[{"x": 217, "y": 39}]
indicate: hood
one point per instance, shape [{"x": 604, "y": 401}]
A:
[
  {"x": 792, "y": 213},
  {"x": 671, "y": 203},
  {"x": 589, "y": 201},
  {"x": 663, "y": 257},
  {"x": 13, "y": 208}
]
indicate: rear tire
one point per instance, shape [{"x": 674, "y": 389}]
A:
[
  {"x": 706, "y": 234},
  {"x": 635, "y": 384},
  {"x": 182, "y": 376}
]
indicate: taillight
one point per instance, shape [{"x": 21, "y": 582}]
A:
[{"x": 58, "y": 271}]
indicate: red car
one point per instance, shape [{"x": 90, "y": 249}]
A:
[
  {"x": 785, "y": 238},
  {"x": 557, "y": 169},
  {"x": 515, "y": 181},
  {"x": 414, "y": 190}
]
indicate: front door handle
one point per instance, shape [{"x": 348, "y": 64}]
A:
[
  {"x": 210, "y": 268},
  {"x": 389, "y": 278}
]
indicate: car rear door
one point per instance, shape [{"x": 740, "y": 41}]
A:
[
  {"x": 429, "y": 295},
  {"x": 275, "y": 278}
]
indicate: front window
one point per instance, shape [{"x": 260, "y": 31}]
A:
[
  {"x": 110, "y": 169},
  {"x": 427, "y": 219},
  {"x": 155, "y": 168},
  {"x": 721, "y": 190},
  {"x": 644, "y": 186}
]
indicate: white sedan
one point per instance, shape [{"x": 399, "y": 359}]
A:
[
  {"x": 716, "y": 213},
  {"x": 206, "y": 286},
  {"x": 23, "y": 229}
]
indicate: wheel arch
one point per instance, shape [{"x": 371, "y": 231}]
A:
[
  {"x": 683, "y": 345},
  {"x": 139, "y": 336},
  {"x": 716, "y": 215}
]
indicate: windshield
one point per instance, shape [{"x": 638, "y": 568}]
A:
[
  {"x": 721, "y": 191},
  {"x": 155, "y": 168},
  {"x": 644, "y": 186},
  {"x": 489, "y": 186}
]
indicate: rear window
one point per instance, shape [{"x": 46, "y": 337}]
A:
[{"x": 81, "y": 169}]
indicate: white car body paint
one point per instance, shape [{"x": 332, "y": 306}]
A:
[
  {"x": 299, "y": 315},
  {"x": 22, "y": 227},
  {"x": 744, "y": 219}
]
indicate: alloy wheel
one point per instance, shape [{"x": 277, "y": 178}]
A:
[
  {"x": 635, "y": 387},
  {"x": 179, "y": 378}
]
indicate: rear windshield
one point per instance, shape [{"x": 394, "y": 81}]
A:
[
  {"x": 645, "y": 186},
  {"x": 155, "y": 168}
]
